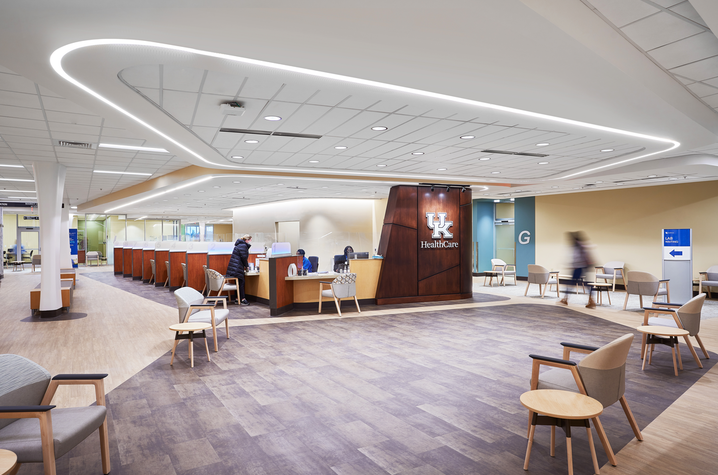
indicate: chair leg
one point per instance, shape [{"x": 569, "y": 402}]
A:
[
  {"x": 604, "y": 441},
  {"x": 631, "y": 419},
  {"x": 214, "y": 335},
  {"x": 357, "y": 304},
  {"x": 320, "y": 298},
  {"x": 338, "y": 304},
  {"x": 226, "y": 327},
  {"x": 625, "y": 302},
  {"x": 693, "y": 351},
  {"x": 640, "y": 299},
  {"x": 528, "y": 284},
  {"x": 105, "y": 447},
  {"x": 48, "y": 444},
  {"x": 698, "y": 339}
]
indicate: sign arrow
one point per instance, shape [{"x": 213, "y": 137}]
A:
[{"x": 675, "y": 253}]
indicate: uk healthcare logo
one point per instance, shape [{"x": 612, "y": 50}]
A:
[{"x": 439, "y": 229}]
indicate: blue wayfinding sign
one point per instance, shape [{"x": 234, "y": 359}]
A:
[
  {"x": 677, "y": 244},
  {"x": 73, "y": 244}
]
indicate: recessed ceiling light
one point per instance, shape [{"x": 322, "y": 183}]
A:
[
  {"x": 251, "y": 141},
  {"x": 236, "y": 182},
  {"x": 313, "y": 161},
  {"x": 512, "y": 199},
  {"x": 325, "y": 187},
  {"x": 216, "y": 186},
  {"x": 497, "y": 201},
  {"x": 280, "y": 184},
  {"x": 132, "y": 147},
  {"x": 237, "y": 157},
  {"x": 379, "y": 128},
  {"x": 417, "y": 153},
  {"x": 73, "y": 207},
  {"x": 599, "y": 182},
  {"x": 607, "y": 150},
  {"x": 16, "y": 191},
  {"x": 495, "y": 173},
  {"x": 483, "y": 159},
  {"x": 381, "y": 165},
  {"x": 273, "y": 117},
  {"x": 466, "y": 137},
  {"x": 543, "y": 163},
  {"x": 123, "y": 173},
  {"x": 554, "y": 186},
  {"x": 441, "y": 169},
  {"x": 652, "y": 176},
  {"x": 11, "y": 166},
  {"x": 341, "y": 147},
  {"x": 23, "y": 197},
  {"x": 542, "y": 144},
  {"x": 200, "y": 191}
]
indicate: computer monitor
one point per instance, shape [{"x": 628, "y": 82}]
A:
[
  {"x": 358, "y": 255},
  {"x": 281, "y": 248}
]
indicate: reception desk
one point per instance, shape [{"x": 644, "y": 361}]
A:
[{"x": 273, "y": 286}]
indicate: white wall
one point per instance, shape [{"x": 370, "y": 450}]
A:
[{"x": 326, "y": 225}]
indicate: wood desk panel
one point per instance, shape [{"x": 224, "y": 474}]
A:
[
  {"x": 218, "y": 262},
  {"x": 160, "y": 268},
  {"x": 257, "y": 286},
  {"x": 119, "y": 261},
  {"x": 81, "y": 256},
  {"x": 147, "y": 256},
  {"x": 195, "y": 272},
  {"x": 176, "y": 272},
  {"x": 136, "y": 264},
  {"x": 127, "y": 259}
]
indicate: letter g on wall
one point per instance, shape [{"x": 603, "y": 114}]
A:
[{"x": 524, "y": 237}]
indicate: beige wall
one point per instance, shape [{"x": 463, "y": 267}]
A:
[
  {"x": 326, "y": 225},
  {"x": 625, "y": 225},
  {"x": 222, "y": 232}
]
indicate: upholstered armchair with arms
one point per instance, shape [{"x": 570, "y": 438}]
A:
[
  {"x": 342, "y": 287},
  {"x": 708, "y": 279},
  {"x": 502, "y": 268},
  {"x": 167, "y": 266},
  {"x": 219, "y": 283},
  {"x": 600, "y": 375},
  {"x": 645, "y": 283},
  {"x": 184, "y": 274},
  {"x": 36, "y": 261},
  {"x": 543, "y": 277},
  {"x": 611, "y": 271},
  {"x": 34, "y": 429},
  {"x": 194, "y": 307},
  {"x": 92, "y": 256},
  {"x": 152, "y": 277}
]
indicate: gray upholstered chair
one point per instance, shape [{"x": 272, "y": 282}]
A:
[
  {"x": 600, "y": 375},
  {"x": 502, "y": 268},
  {"x": 152, "y": 277},
  {"x": 543, "y": 277},
  {"x": 708, "y": 279},
  {"x": 167, "y": 266},
  {"x": 36, "y": 261},
  {"x": 194, "y": 307},
  {"x": 35, "y": 430},
  {"x": 611, "y": 271},
  {"x": 343, "y": 287},
  {"x": 184, "y": 274},
  {"x": 686, "y": 316},
  {"x": 219, "y": 283},
  {"x": 92, "y": 256},
  {"x": 645, "y": 283},
  {"x": 206, "y": 279}
]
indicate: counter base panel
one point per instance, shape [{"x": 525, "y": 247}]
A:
[{"x": 423, "y": 298}]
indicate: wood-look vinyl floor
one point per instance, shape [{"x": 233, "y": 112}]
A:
[{"x": 124, "y": 333}]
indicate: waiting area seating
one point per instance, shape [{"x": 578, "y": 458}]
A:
[
  {"x": 92, "y": 256},
  {"x": 501, "y": 268},
  {"x": 36, "y": 261},
  {"x": 708, "y": 279},
  {"x": 543, "y": 277},
  {"x": 35, "y": 430},
  {"x": 600, "y": 375},
  {"x": 342, "y": 287},
  {"x": 612, "y": 271},
  {"x": 196, "y": 308},
  {"x": 645, "y": 283},
  {"x": 219, "y": 283}
]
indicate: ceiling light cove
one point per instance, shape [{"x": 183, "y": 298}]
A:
[
  {"x": 379, "y": 128},
  {"x": 341, "y": 147},
  {"x": 132, "y": 148},
  {"x": 123, "y": 173},
  {"x": 17, "y": 179},
  {"x": 273, "y": 118},
  {"x": 155, "y": 195},
  {"x": 11, "y": 166},
  {"x": 57, "y": 57},
  {"x": 542, "y": 144},
  {"x": 467, "y": 137},
  {"x": 251, "y": 141}
]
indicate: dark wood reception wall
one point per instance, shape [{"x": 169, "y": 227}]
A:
[{"x": 417, "y": 267}]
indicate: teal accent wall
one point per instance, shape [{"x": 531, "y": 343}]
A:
[
  {"x": 525, "y": 220},
  {"x": 484, "y": 232}
]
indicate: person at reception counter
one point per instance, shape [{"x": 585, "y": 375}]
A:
[
  {"x": 238, "y": 263},
  {"x": 306, "y": 264}
]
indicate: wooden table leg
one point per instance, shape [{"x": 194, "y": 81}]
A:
[
  {"x": 596, "y": 469},
  {"x": 206, "y": 346},
  {"x": 532, "y": 430},
  {"x": 191, "y": 350},
  {"x": 608, "y": 294},
  {"x": 569, "y": 451},
  {"x": 678, "y": 355},
  {"x": 553, "y": 441},
  {"x": 693, "y": 351},
  {"x": 645, "y": 356},
  {"x": 174, "y": 347},
  {"x": 673, "y": 353}
]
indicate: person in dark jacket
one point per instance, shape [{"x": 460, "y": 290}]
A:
[{"x": 238, "y": 262}]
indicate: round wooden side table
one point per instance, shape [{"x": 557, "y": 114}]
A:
[
  {"x": 668, "y": 336},
  {"x": 562, "y": 409},
  {"x": 190, "y": 328},
  {"x": 8, "y": 461}
]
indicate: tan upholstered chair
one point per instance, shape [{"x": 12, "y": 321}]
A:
[
  {"x": 219, "y": 283},
  {"x": 644, "y": 283},
  {"x": 34, "y": 429},
  {"x": 152, "y": 277},
  {"x": 167, "y": 280},
  {"x": 36, "y": 261},
  {"x": 709, "y": 279},
  {"x": 184, "y": 274},
  {"x": 600, "y": 375},
  {"x": 543, "y": 277},
  {"x": 611, "y": 271},
  {"x": 196, "y": 308},
  {"x": 343, "y": 287},
  {"x": 502, "y": 269},
  {"x": 92, "y": 256},
  {"x": 686, "y": 316}
]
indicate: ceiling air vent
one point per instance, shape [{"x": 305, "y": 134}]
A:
[
  {"x": 508, "y": 152},
  {"x": 268, "y": 132},
  {"x": 67, "y": 143}
]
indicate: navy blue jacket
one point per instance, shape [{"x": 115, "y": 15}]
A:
[{"x": 238, "y": 261}]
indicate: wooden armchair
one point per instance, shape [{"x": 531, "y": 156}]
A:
[
  {"x": 708, "y": 279},
  {"x": 340, "y": 288},
  {"x": 611, "y": 271},
  {"x": 195, "y": 307},
  {"x": 502, "y": 268}
]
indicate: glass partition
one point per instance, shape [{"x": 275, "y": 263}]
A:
[
  {"x": 153, "y": 230},
  {"x": 135, "y": 230},
  {"x": 170, "y": 230}
]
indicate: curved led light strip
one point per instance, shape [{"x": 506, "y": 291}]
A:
[{"x": 60, "y": 53}]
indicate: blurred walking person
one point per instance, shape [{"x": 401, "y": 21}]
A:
[{"x": 581, "y": 261}]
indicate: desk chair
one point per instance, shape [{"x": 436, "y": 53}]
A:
[
  {"x": 315, "y": 262},
  {"x": 152, "y": 277},
  {"x": 344, "y": 286}
]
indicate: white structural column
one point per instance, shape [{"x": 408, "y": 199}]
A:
[
  {"x": 65, "y": 258},
  {"x": 50, "y": 184}
]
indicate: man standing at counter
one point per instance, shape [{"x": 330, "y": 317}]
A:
[
  {"x": 238, "y": 262},
  {"x": 306, "y": 263}
]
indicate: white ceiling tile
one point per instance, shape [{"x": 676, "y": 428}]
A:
[
  {"x": 68, "y": 118},
  {"x": 623, "y": 12},
  {"x": 659, "y": 29},
  {"x": 260, "y": 88},
  {"x": 277, "y": 108},
  {"x": 14, "y": 139},
  {"x": 60, "y": 128},
  {"x": 10, "y": 131},
  {"x": 63, "y": 105},
  {"x": 152, "y": 94},
  {"x": 330, "y": 121},
  {"x": 302, "y": 118},
  {"x": 360, "y": 122},
  {"x": 700, "y": 70},
  {"x": 222, "y": 84},
  {"x": 15, "y": 83},
  {"x": 271, "y": 143},
  {"x": 205, "y": 133},
  {"x": 415, "y": 129},
  {"x": 208, "y": 111},
  {"x": 686, "y": 51},
  {"x": 686, "y": 10},
  {"x": 298, "y": 93},
  {"x": 702, "y": 89},
  {"x": 712, "y": 82},
  {"x": 667, "y": 3},
  {"x": 22, "y": 123},
  {"x": 252, "y": 107},
  {"x": 179, "y": 105},
  {"x": 142, "y": 76},
  {"x": 19, "y": 99},
  {"x": 177, "y": 78},
  {"x": 229, "y": 140},
  {"x": 328, "y": 98},
  {"x": 711, "y": 100}
]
